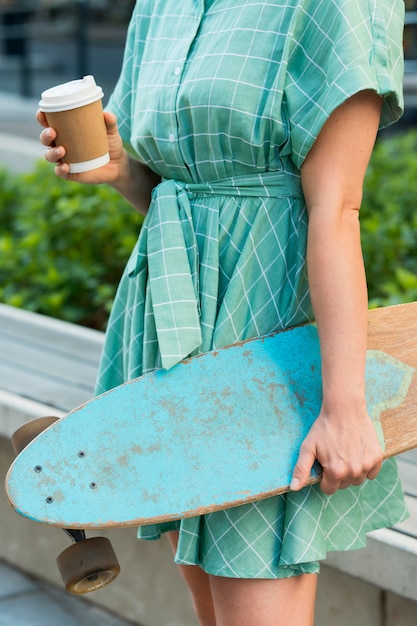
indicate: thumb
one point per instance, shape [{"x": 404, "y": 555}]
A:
[
  {"x": 110, "y": 120},
  {"x": 302, "y": 469}
]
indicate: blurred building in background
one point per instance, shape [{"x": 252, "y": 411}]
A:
[
  {"x": 410, "y": 55},
  {"x": 43, "y": 42}
]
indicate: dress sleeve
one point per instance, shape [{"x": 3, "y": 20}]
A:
[{"x": 336, "y": 50}]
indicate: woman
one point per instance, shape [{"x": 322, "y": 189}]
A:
[{"x": 251, "y": 125}]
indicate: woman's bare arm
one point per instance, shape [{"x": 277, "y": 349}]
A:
[{"x": 343, "y": 438}]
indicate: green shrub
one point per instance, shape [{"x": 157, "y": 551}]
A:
[
  {"x": 63, "y": 245},
  {"x": 389, "y": 221}
]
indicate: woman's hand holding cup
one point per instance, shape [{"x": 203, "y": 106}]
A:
[{"x": 108, "y": 173}]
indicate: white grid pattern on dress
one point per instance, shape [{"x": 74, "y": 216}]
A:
[{"x": 241, "y": 89}]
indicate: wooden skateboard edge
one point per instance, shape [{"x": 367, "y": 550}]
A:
[{"x": 160, "y": 519}]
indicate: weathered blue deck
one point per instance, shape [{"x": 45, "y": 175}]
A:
[{"x": 217, "y": 430}]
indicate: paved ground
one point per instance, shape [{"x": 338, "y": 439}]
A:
[{"x": 28, "y": 602}]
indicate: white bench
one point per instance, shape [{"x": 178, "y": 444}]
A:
[
  {"x": 44, "y": 363},
  {"x": 49, "y": 366}
]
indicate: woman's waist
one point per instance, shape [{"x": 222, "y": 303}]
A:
[{"x": 279, "y": 183}]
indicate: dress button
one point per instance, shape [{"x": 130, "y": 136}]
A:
[
  {"x": 171, "y": 137},
  {"x": 177, "y": 70}
]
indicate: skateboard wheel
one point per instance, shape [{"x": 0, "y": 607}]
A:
[
  {"x": 88, "y": 565},
  {"x": 26, "y": 433}
]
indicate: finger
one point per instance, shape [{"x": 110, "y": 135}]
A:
[
  {"x": 370, "y": 471},
  {"x": 358, "y": 481},
  {"x": 62, "y": 170},
  {"x": 54, "y": 155},
  {"x": 334, "y": 479},
  {"x": 331, "y": 482},
  {"x": 302, "y": 469},
  {"x": 111, "y": 122},
  {"x": 374, "y": 472},
  {"x": 48, "y": 136},
  {"x": 341, "y": 479},
  {"x": 329, "y": 487},
  {"x": 41, "y": 118}
]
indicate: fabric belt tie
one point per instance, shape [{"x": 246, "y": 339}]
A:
[{"x": 168, "y": 245}]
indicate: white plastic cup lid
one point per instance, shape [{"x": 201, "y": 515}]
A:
[{"x": 71, "y": 95}]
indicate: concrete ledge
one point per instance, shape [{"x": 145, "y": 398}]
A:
[
  {"x": 19, "y": 155},
  {"x": 16, "y": 411},
  {"x": 389, "y": 561},
  {"x": 47, "y": 360}
]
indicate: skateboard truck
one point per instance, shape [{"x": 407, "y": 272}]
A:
[{"x": 87, "y": 564}]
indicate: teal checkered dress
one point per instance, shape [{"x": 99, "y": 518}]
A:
[{"x": 224, "y": 99}]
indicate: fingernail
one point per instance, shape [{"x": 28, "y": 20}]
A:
[{"x": 295, "y": 483}]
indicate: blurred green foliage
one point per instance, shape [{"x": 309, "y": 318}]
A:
[
  {"x": 389, "y": 220},
  {"x": 63, "y": 246}
]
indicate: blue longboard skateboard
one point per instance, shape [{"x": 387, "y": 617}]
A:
[{"x": 215, "y": 431}]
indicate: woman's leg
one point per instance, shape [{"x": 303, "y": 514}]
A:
[
  {"x": 283, "y": 602},
  {"x": 222, "y": 601},
  {"x": 198, "y": 583}
]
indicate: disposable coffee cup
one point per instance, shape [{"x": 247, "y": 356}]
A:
[{"x": 75, "y": 111}]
